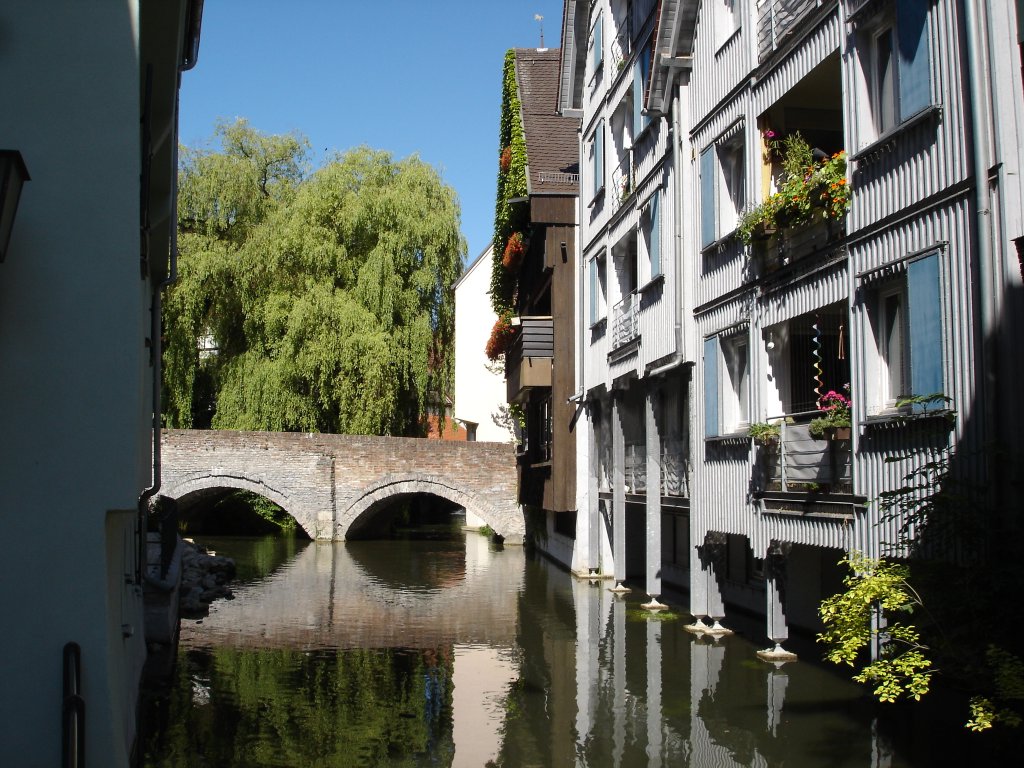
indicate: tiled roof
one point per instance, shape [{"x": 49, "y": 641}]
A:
[{"x": 551, "y": 142}]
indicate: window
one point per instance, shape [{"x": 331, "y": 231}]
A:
[
  {"x": 597, "y": 45},
  {"x": 721, "y": 187},
  {"x": 906, "y": 315},
  {"x": 598, "y": 290},
  {"x": 892, "y": 336},
  {"x": 726, "y": 383},
  {"x": 596, "y": 155},
  {"x": 641, "y": 71},
  {"x": 898, "y": 63},
  {"x": 727, "y": 20},
  {"x": 650, "y": 232}
]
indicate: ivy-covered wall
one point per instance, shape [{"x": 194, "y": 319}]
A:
[{"x": 508, "y": 218}]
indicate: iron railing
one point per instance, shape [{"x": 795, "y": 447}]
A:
[
  {"x": 625, "y": 321},
  {"x": 801, "y": 462}
]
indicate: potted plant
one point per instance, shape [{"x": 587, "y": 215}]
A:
[
  {"x": 835, "y": 424},
  {"x": 501, "y": 337},
  {"x": 515, "y": 248},
  {"x": 811, "y": 187},
  {"x": 764, "y": 433}
]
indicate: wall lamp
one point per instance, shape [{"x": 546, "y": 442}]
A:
[{"x": 13, "y": 174}]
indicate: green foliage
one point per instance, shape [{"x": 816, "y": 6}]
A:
[
  {"x": 328, "y": 297},
  {"x": 902, "y": 666},
  {"x": 1009, "y": 687},
  {"x": 807, "y": 188},
  {"x": 764, "y": 432},
  {"x": 512, "y": 183}
]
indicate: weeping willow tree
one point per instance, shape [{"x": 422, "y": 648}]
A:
[{"x": 310, "y": 301}]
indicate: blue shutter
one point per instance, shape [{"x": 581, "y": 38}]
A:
[
  {"x": 655, "y": 234},
  {"x": 925, "y": 318},
  {"x": 711, "y": 387},
  {"x": 593, "y": 291},
  {"x": 913, "y": 70},
  {"x": 707, "y": 197},
  {"x": 598, "y": 50},
  {"x": 599, "y": 157}
]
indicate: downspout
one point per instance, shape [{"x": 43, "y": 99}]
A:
[
  {"x": 988, "y": 274},
  {"x": 190, "y": 55}
]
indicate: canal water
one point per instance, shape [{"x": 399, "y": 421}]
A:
[{"x": 444, "y": 650}]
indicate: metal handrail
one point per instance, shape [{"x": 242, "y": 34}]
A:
[
  {"x": 72, "y": 710},
  {"x": 839, "y": 457},
  {"x": 625, "y": 326}
]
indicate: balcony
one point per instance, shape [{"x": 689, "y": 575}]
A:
[
  {"x": 788, "y": 244},
  {"x": 528, "y": 362},
  {"x": 673, "y": 469},
  {"x": 778, "y": 20},
  {"x": 625, "y": 321},
  {"x": 801, "y": 463}
]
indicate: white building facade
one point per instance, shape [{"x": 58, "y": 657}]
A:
[
  {"x": 479, "y": 383},
  {"x": 898, "y": 277}
]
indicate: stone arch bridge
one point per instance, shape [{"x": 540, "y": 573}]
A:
[{"x": 334, "y": 484}]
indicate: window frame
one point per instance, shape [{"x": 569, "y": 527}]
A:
[
  {"x": 596, "y": 157},
  {"x": 727, "y": 399},
  {"x": 722, "y": 186},
  {"x": 598, "y": 267},
  {"x": 650, "y": 226}
]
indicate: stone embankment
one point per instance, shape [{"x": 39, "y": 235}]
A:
[{"x": 204, "y": 578}]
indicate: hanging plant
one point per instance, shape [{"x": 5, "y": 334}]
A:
[
  {"x": 505, "y": 162},
  {"x": 515, "y": 249},
  {"x": 501, "y": 338}
]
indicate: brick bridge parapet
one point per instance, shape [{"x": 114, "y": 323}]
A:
[{"x": 333, "y": 484}]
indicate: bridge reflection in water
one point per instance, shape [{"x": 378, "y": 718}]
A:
[{"x": 413, "y": 653}]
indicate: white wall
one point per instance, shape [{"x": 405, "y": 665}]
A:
[
  {"x": 478, "y": 392},
  {"x": 76, "y": 376}
]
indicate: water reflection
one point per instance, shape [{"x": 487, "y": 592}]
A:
[{"x": 405, "y": 653}]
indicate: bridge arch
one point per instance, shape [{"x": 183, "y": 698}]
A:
[
  {"x": 391, "y": 487},
  {"x": 183, "y": 488}
]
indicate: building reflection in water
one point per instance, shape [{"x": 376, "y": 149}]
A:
[{"x": 492, "y": 658}]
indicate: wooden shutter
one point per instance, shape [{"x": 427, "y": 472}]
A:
[
  {"x": 711, "y": 428},
  {"x": 708, "y": 215},
  {"x": 597, "y": 52},
  {"x": 914, "y": 68},
  {"x": 599, "y": 157},
  {"x": 593, "y": 290},
  {"x": 925, "y": 319}
]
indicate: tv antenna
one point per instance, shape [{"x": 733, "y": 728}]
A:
[{"x": 540, "y": 19}]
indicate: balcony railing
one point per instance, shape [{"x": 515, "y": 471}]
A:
[
  {"x": 673, "y": 469},
  {"x": 636, "y": 468},
  {"x": 800, "y": 462},
  {"x": 789, "y": 244},
  {"x": 625, "y": 321},
  {"x": 623, "y": 180},
  {"x": 778, "y": 20}
]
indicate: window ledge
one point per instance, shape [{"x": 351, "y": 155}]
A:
[
  {"x": 898, "y": 417},
  {"x": 656, "y": 280},
  {"x": 729, "y": 38},
  {"x": 540, "y": 464},
  {"x": 719, "y": 245},
  {"x": 885, "y": 143},
  {"x": 733, "y": 438},
  {"x": 597, "y": 196},
  {"x": 599, "y": 325}
]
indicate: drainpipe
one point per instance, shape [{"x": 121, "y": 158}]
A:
[
  {"x": 989, "y": 281},
  {"x": 189, "y": 57}
]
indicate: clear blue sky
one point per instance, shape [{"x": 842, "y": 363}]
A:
[{"x": 407, "y": 76}]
